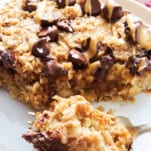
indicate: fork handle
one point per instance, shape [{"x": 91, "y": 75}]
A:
[{"x": 143, "y": 129}]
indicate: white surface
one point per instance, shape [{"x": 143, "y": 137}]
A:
[
  {"x": 14, "y": 117},
  {"x": 13, "y": 123},
  {"x": 137, "y": 8}
]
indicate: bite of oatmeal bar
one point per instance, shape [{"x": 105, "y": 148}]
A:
[
  {"x": 86, "y": 47},
  {"x": 72, "y": 124}
]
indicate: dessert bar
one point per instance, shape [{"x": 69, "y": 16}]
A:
[{"x": 86, "y": 47}]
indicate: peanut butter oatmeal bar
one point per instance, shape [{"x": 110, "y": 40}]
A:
[
  {"x": 68, "y": 47},
  {"x": 74, "y": 125}
]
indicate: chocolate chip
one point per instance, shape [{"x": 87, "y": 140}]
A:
[
  {"x": 78, "y": 59},
  {"x": 116, "y": 12},
  {"x": 41, "y": 48},
  {"x": 45, "y": 22},
  {"x": 43, "y": 33},
  {"x": 80, "y": 49},
  {"x": 50, "y": 33},
  {"x": 71, "y": 2},
  {"x": 102, "y": 50},
  {"x": 45, "y": 141},
  {"x": 7, "y": 60},
  {"x": 63, "y": 3},
  {"x": 54, "y": 69},
  {"x": 91, "y": 7},
  {"x": 65, "y": 25},
  {"x": 95, "y": 7},
  {"x": 30, "y": 5},
  {"x": 105, "y": 13},
  {"x": 109, "y": 51},
  {"x": 134, "y": 65},
  {"x": 86, "y": 44},
  {"x": 106, "y": 62},
  {"x": 51, "y": 88},
  {"x": 51, "y": 19}
]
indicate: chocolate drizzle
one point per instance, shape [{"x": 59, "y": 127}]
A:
[{"x": 7, "y": 59}]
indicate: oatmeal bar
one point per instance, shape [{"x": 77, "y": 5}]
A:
[
  {"x": 74, "y": 125},
  {"x": 87, "y": 47}
]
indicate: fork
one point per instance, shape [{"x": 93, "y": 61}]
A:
[{"x": 135, "y": 130}]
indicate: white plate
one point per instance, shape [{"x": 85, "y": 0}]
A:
[{"x": 14, "y": 117}]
